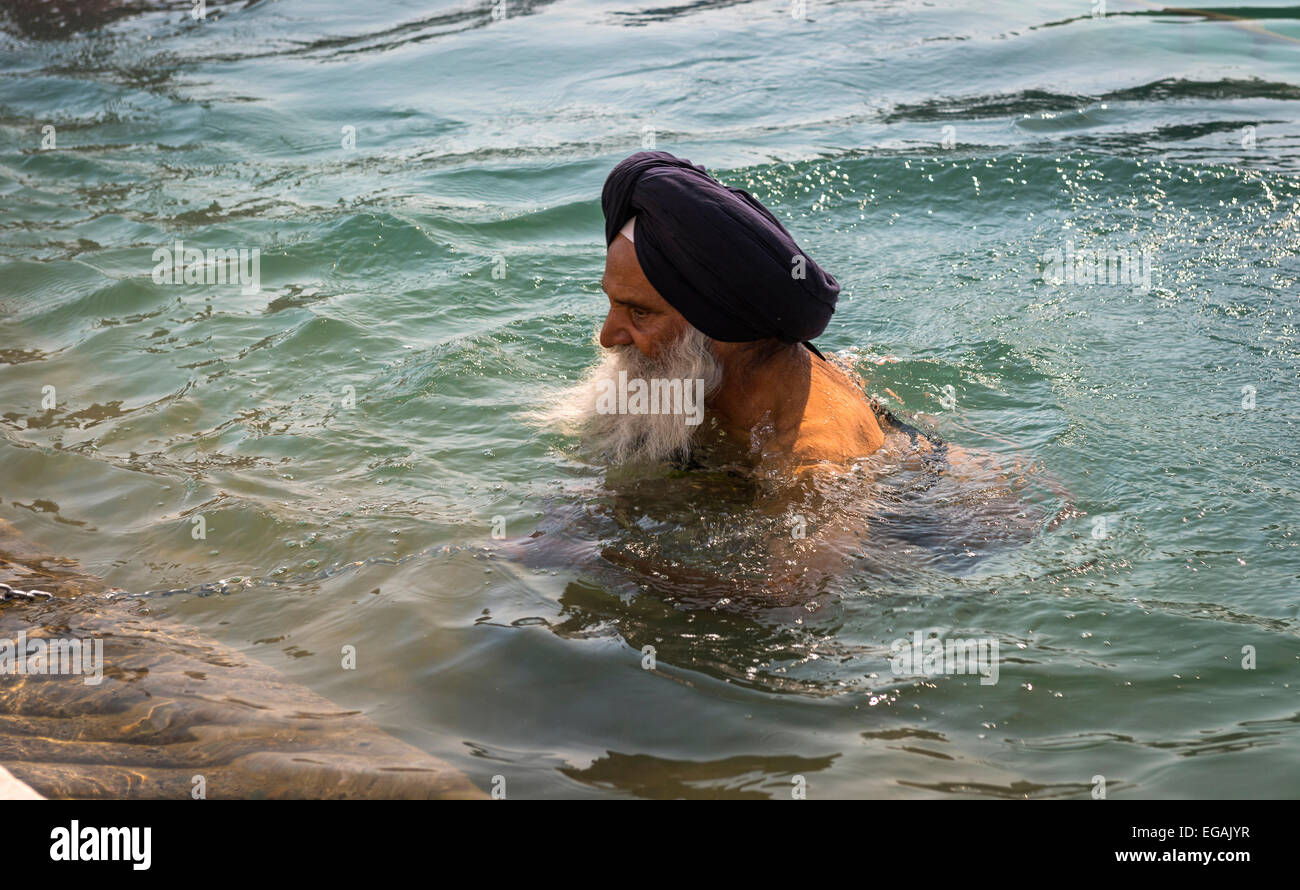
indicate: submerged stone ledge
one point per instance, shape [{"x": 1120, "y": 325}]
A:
[{"x": 173, "y": 705}]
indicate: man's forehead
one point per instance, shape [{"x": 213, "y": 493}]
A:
[
  {"x": 623, "y": 273},
  {"x": 621, "y": 261}
]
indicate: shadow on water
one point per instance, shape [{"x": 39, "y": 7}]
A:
[
  {"x": 170, "y": 706},
  {"x": 743, "y": 777},
  {"x": 751, "y": 579},
  {"x": 58, "y": 19},
  {"x": 63, "y": 19}
]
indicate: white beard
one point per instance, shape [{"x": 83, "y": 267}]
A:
[{"x": 633, "y": 438}]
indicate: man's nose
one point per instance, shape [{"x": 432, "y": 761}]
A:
[{"x": 612, "y": 333}]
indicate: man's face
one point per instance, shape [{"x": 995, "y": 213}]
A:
[
  {"x": 649, "y": 342},
  {"x": 638, "y": 316}
]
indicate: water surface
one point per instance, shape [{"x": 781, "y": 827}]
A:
[{"x": 349, "y": 432}]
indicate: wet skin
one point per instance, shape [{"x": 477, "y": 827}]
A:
[
  {"x": 792, "y": 416},
  {"x": 790, "y": 407}
]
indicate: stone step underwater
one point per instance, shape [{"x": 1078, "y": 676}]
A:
[{"x": 176, "y": 711}]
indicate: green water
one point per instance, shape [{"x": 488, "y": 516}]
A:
[{"x": 349, "y": 433}]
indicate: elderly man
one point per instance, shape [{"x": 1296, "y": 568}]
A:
[
  {"x": 713, "y": 302},
  {"x": 708, "y": 292}
]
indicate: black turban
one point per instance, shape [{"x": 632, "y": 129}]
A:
[{"x": 716, "y": 254}]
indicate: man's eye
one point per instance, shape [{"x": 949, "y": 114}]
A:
[{"x": 638, "y": 313}]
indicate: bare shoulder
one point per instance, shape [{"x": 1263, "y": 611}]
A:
[{"x": 839, "y": 424}]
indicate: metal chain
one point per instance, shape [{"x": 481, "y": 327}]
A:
[{"x": 12, "y": 593}]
